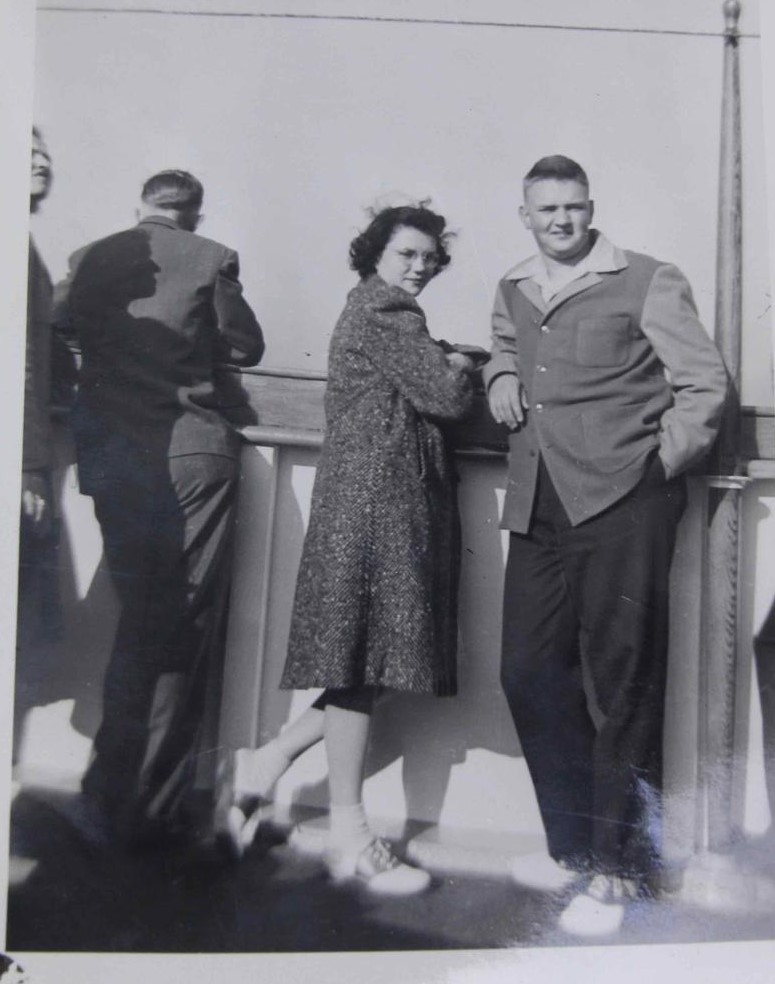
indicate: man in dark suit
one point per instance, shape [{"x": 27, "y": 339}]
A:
[
  {"x": 37, "y": 442},
  {"x": 611, "y": 389},
  {"x": 49, "y": 370},
  {"x": 157, "y": 311}
]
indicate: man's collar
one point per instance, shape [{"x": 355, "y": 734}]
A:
[
  {"x": 159, "y": 220},
  {"x": 604, "y": 257}
]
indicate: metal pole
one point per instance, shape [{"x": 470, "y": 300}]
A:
[{"x": 719, "y": 650}]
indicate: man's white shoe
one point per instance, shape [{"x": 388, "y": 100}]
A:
[
  {"x": 539, "y": 870},
  {"x": 598, "y": 911}
]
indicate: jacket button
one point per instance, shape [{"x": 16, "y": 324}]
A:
[
  {"x": 541, "y": 368},
  {"x": 539, "y": 407},
  {"x": 544, "y": 327}
]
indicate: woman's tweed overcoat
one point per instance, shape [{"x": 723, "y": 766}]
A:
[{"x": 376, "y": 594}]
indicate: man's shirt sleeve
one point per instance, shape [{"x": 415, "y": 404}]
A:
[
  {"x": 696, "y": 371},
  {"x": 503, "y": 353}
]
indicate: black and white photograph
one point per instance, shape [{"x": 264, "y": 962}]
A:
[{"x": 387, "y": 554}]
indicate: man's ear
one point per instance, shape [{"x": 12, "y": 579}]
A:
[
  {"x": 591, "y": 209},
  {"x": 525, "y": 216},
  {"x": 189, "y": 219}
]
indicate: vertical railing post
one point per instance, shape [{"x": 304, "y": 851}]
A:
[
  {"x": 718, "y": 656},
  {"x": 729, "y": 253}
]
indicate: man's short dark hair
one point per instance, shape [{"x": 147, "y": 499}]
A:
[
  {"x": 556, "y": 168},
  {"x": 173, "y": 190}
]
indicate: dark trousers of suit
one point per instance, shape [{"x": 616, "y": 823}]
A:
[
  {"x": 597, "y": 592},
  {"x": 167, "y": 529}
]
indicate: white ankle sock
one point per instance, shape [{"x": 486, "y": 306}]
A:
[
  {"x": 259, "y": 769},
  {"x": 349, "y": 827}
]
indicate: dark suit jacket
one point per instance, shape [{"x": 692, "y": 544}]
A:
[
  {"x": 37, "y": 372},
  {"x": 156, "y": 311}
]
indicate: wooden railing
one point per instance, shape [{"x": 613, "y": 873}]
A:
[{"x": 287, "y": 409}]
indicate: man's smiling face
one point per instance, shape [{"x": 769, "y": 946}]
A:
[{"x": 559, "y": 214}]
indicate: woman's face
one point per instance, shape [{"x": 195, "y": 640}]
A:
[{"x": 409, "y": 260}]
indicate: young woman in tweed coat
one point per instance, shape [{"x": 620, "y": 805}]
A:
[{"x": 376, "y": 595}]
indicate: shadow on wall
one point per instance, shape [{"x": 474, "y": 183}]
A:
[
  {"x": 63, "y": 651},
  {"x": 763, "y": 646},
  {"x": 764, "y": 649},
  {"x": 436, "y": 734},
  {"x": 58, "y": 687}
]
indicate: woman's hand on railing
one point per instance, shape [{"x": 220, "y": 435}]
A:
[
  {"x": 467, "y": 358},
  {"x": 460, "y": 362}
]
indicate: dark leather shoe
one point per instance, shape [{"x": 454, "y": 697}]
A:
[{"x": 237, "y": 816}]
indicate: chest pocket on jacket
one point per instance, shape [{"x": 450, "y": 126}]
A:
[{"x": 603, "y": 342}]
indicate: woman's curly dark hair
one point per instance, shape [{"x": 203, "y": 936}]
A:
[{"x": 367, "y": 247}]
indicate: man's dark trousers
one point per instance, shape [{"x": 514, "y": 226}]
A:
[
  {"x": 599, "y": 592},
  {"x": 167, "y": 527}
]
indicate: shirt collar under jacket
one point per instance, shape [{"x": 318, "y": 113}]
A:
[{"x": 604, "y": 257}]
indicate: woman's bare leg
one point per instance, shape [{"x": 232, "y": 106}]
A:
[
  {"x": 259, "y": 769},
  {"x": 347, "y": 739}
]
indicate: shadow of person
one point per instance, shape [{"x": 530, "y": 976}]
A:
[
  {"x": 39, "y": 624},
  {"x": 764, "y": 652},
  {"x": 231, "y": 398},
  {"x": 48, "y": 668},
  {"x": 164, "y": 520},
  {"x": 184, "y": 903},
  {"x": 433, "y": 735},
  {"x": 756, "y": 677},
  {"x": 171, "y": 601}
]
